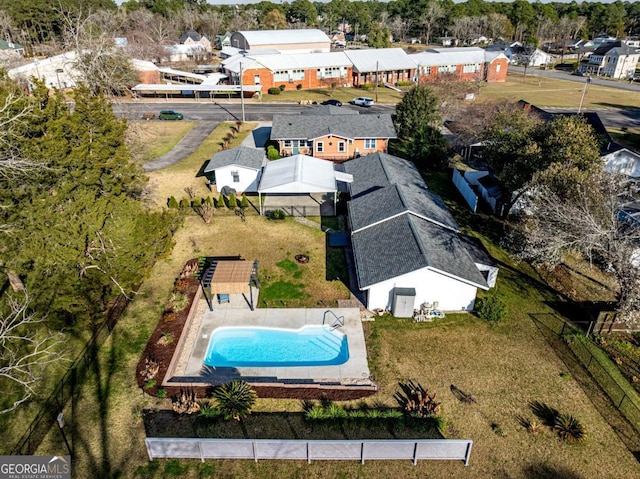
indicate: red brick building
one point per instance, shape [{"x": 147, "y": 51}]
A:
[{"x": 462, "y": 64}]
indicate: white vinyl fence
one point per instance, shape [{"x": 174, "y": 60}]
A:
[
  {"x": 465, "y": 190},
  {"x": 363, "y": 450}
]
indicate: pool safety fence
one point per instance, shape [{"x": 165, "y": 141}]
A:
[{"x": 357, "y": 450}]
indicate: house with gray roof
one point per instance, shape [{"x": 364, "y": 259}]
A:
[
  {"x": 238, "y": 168},
  {"x": 613, "y": 59},
  {"x": 405, "y": 239},
  {"x": 329, "y": 137}
]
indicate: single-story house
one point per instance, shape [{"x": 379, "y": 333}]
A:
[
  {"x": 464, "y": 63},
  {"x": 324, "y": 134},
  {"x": 11, "y": 49},
  {"x": 300, "y": 185},
  {"x": 405, "y": 239},
  {"x": 187, "y": 52},
  {"x": 304, "y": 40},
  {"x": 58, "y": 71},
  {"x": 238, "y": 168}
]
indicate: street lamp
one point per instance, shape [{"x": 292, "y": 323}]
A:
[
  {"x": 241, "y": 93},
  {"x": 584, "y": 91}
]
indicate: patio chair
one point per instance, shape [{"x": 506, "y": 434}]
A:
[{"x": 223, "y": 298}]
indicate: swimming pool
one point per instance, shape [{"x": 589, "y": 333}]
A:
[{"x": 245, "y": 347}]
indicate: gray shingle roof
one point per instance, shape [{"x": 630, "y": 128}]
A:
[
  {"x": 407, "y": 243},
  {"x": 241, "y": 156},
  {"x": 286, "y": 127},
  {"x": 379, "y": 170},
  {"x": 395, "y": 200},
  {"x": 329, "y": 110}
]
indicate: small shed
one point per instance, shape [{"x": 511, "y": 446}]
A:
[{"x": 403, "y": 301}]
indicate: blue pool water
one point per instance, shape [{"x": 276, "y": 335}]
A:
[{"x": 245, "y": 347}]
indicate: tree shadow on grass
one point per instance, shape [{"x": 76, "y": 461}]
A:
[{"x": 550, "y": 471}]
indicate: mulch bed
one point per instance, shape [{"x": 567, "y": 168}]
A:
[{"x": 171, "y": 324}]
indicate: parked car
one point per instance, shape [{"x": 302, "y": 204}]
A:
[
  {"x": 362, "y": 101},
  {"x": 332, "y": 101},
  {"x": 170, "y": 115}
]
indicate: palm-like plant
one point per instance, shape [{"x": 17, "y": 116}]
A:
[
  {"x": 569, "y": 428},
  {"x": 235, "y": 399}
]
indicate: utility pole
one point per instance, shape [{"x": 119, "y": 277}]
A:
[
  {"x": 377, "y": 74},
  {"x": 584, "y": 91},
  {"x": 241, "y": 93}
]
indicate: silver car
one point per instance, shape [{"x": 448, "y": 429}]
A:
[{"x": 362, "y": 101}]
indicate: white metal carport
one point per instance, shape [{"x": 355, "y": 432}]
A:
[{"x": 301, "y": 174}]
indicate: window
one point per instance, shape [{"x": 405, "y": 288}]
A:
[
  {"x": 426, "y": 71},
  {"x": 370, "y": 144},
  {"x": 287, "y": 143},
  {"x": 282, "y": 75},
  {"x": 297, "y": 143},
  {"x": 498, "y": 68},
  {"x": 319, "y": 147},
  {"x": 256, "y": 79},
  {"x": 236, "y": 176},
  {"x": 341, "y": 147},
  {"x": 447, "y": 69},
  {"x": 297, "y": 75},
  {"x": 472, "y": 68}
]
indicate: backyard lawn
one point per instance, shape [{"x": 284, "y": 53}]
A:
[{"x": 504, "y": 365}]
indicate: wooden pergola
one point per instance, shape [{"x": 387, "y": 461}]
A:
[{"x": 228, "y": 275}]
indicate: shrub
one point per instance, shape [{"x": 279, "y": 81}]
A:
[
  {"x": 416, "y": 400},
  {"x": 178, "y": 301},
  {"x": 184, "y": 203},
  {"x": 315, "y": 413},
  {"x": 392, "y": 414},
  {"x": 162, "y": 393},
  {"x": 274, "y": 91},
  {"x": 150, "y": 383},
  {"x": 497, "y": 429},
  {"x": 277, "y": 215},
  {"x": 273, "y": 153},
  {"x": 172, "y": 203},
  {"x": 404, "y": 83},
  {"x": 208, "y": 410},
  {"x": 185, "y": 403},
  {"x": 208, "y": 201},
  {"x": 366, "y": 86},
  {"x": 282, "y": 87},
  {"x": 235, "y": 399},
  {"x": 169, "y": 316},
  {"x": 244, "y": 202},
  {"x": 569, "y": 428},
  {"x": 233, "y": 202},
  {"x": 220, "y": 201},
  {"x": 335, "y": 411},
  {"x": 491, "y": 308},
  {"x": 196, "y": 203},
  {"x": 299, "y": 86}
]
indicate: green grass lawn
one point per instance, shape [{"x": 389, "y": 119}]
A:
[{"x": 503, "y": 365}]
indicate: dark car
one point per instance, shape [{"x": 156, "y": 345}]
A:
[
  {"x": 170, "y": 115},
  {"x": 332, "y": 101}
]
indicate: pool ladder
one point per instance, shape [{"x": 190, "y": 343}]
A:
[{"x": 338, "y": 322}]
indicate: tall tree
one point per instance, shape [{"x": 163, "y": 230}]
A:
[{"x": 418, "y": 109}]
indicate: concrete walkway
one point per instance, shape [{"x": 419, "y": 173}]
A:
[
  {"x": 259, "y": 136},
  {"x": 185, "y": 147}
]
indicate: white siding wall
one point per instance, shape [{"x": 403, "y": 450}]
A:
[
  {"x": 248, "y": 178},
  {"x": 451, "y": 294},
  {"x": 623, "y": 162}
]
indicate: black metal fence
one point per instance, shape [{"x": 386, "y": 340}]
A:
[
  {"x": 618, "y": 389},
  {"x": 64, "y": 390}
]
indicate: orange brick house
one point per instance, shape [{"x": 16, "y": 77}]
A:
[
  {"x": 461, "y": 64},
  {"x": 312, "y": 70},
  {"x": 332, "y": 133},
  {"x": 388, "y": 65}
]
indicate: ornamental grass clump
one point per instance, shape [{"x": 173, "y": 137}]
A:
[
  {"x": 569, "y": 428},
  {"x": 235, "y": 399},
  {"x": 416, "y": 400}
]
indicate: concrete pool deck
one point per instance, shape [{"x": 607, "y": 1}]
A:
[{"x": 189, "y": 366}]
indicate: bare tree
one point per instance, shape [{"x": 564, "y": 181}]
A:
[
  {"x": 399, "y": 27},
  {"x": 589, "y": 222},
  {"x": 102, "y": 67},
  {"x": 25, "y": 353},
  {"x": 498, "y": 26},
  {"x": 429, "y": 19},
  {"x": 7, "y": 28},
  {"x": 14, "y": 115}
]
